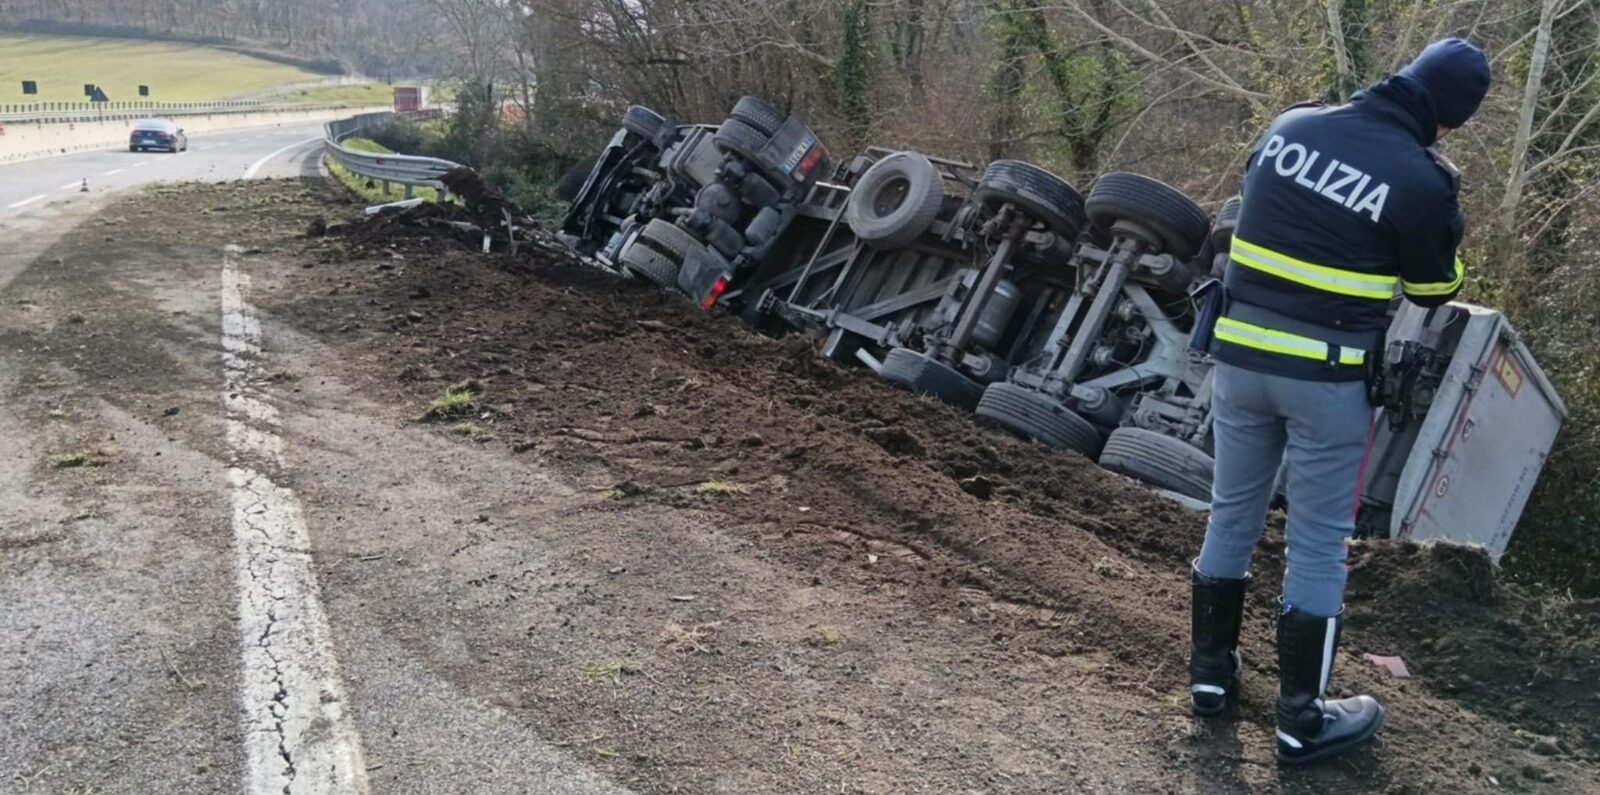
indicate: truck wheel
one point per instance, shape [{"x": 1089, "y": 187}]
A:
[
  {"x": 895, "y": 201},
  {"x": 1037, "y": 192},
  {"x": 670, "y": 239},
  {"x": 1160, "y": 460},
  {"x": 1035, "y": 415},
  {"x": 1152, "y": 204},
  {"x": 758, "y": 113},
  {"x": 641, "y": 260},
  {"x": 741, "y": 139},
  {"x": 642, "y": 121},
  {"x": 1227, "y": 221},
  {"x": 925, "y": 375}
]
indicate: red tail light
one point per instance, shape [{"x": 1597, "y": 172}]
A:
[
  {"x": 717, "y": 289},
  {"x": 810, "y": 161}
]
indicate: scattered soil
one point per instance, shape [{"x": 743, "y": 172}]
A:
[{"x": 1044, "y": 563}]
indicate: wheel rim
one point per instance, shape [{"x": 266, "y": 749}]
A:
[{"x": 891, "y": 196}]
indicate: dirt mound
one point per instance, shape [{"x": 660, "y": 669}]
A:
[
  {"x": 1532, "y": 662},
  {"x": 481, "y": 199},
  {"x": 626, "y": 385},
  {"x": 485, "y": 216}
]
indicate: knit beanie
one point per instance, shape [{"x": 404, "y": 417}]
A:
[{"x": 1456, "y": 75}]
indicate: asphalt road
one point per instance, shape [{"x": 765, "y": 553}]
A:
[
  {"x": 120, "y": 661},
  {"x": 30, "y": 185},
  {"x": 42, "y": 199}
]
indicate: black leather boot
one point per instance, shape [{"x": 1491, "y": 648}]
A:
[
  {"x": 1218, "y": 606},
  {"x": 1310, "y": 727}
]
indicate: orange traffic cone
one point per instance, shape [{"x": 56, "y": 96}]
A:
[{"x": 85, "y": 188}]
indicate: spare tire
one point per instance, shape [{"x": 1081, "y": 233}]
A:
[
  {"x": 758, "y": 113},
  {"x": 1160, "y": 460},
  {"x": 1227, "y": 221},
  {"x": 642, "y": 121},
  {"x": 895, "y": 201},
  {"x": 1162, "y": 209},
  {"x": 1037, "y": 192}
]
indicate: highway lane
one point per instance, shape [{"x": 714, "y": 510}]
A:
[
  {"x": 40, "y": 200},
  {"x": 29, "y": 186}
]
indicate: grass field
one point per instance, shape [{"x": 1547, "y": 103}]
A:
[
  {"x": 371, "y": 94},
  {"x": 175, "y": 72}
]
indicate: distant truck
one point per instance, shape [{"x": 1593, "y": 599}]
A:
[{"x": 410, "y": 97}]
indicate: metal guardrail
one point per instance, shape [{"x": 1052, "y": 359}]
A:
[
  {"x": 408, "y": 170},
  {"x": 113, "y": 111}
]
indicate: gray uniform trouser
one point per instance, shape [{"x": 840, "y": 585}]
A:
[{"x": 1323, "y": 427}]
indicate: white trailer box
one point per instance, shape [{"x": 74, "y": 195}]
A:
[{"x": 1455, "y": 457}]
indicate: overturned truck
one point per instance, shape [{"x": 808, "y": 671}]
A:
[{"x": 1061, "y": 316}]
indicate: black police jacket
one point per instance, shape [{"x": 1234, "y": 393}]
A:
[{"x": 1342, "y": 205}]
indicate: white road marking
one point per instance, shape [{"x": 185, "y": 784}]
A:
[
  {"x": 298, "y": 736},
  {"x": 140, "y": 163},
  {"x": 256, "y": 166},
  {"x": 24, "y": 202},
  {"x": 73, "y": 185},
  {"x": 112, "y": 171}
]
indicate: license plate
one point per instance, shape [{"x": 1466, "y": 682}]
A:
[{"x": 796, "y": 155}]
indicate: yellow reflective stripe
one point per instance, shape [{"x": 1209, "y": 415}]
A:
[
  {"x": 1319, "y": 277},
  {"x": 1265, "y": 339},
  {"x": 1436, "y": 288}
]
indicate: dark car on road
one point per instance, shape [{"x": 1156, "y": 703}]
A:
[{"x": 157, "y": 134}]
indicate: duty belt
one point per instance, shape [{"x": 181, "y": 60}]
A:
[{"x": 1263, "y": 329}]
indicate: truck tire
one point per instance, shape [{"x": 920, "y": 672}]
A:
[
  {"x": 641, "y": 260},
  {"x": 670, "y": 239},
  {"x": 1152, "y": 204},
  {"x": 1037, "y": 416},
  {"x": 1037, "y": 192},
  {"x": 1227, "y": 221},
  {"x": 926, "y": 375},
  {"x": 741, "y": 139},
  {"x": 1160, "y": 460},
  {"x": 642, "y": 121},
  {"x": 758, "y": 113},
  {"x": 895, "y": 201}
]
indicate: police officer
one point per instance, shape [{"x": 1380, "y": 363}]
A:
[{"x": 1342, "y": 205}]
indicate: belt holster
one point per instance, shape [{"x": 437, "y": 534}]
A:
[{"x": 1210, "y": 299}]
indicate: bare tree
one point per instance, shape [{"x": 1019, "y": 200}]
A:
[{"x": 1531, "y": 93}]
